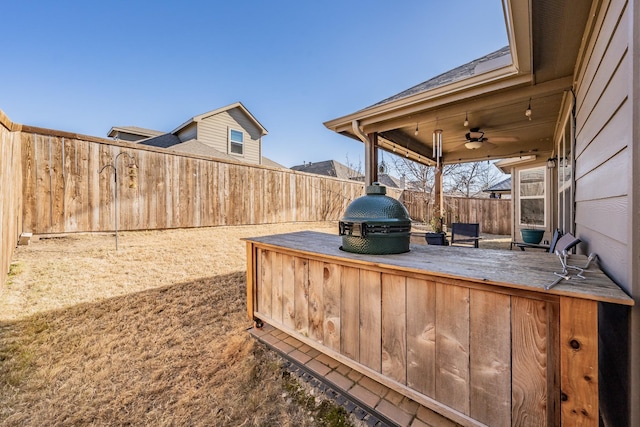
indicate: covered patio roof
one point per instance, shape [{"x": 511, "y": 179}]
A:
[{"x": 492, "y": 93}]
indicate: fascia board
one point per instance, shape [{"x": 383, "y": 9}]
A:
[{"x": 501, "y": 79}]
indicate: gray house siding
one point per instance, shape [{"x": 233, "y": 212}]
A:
[
  {"x": 214, "y": 131},
  {"x": 123, "y": 136},
  {"x": 602, "y": 152},
  {"x": 604, "y": 182},
  {"x": 188, "y": 132}
]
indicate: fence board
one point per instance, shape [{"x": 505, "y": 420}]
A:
[
  {"x": 288, "y": 291},
  {"x": 490, "y": 357},
  {"x": 529, "y": 361},
  {"x": 421, "y": 335},
  {"x": 350, "y": 313},
  {"x": 452, "y": 346},
  {"x": 301, "y": 295},
  {"x": 493, "y": 215},
  {"x": 370, "y": 319},
  {"x": 29, "y": 181},
  {"x": 331, "y": 300},
  {"x": 63, "y": 191},
  {"x": 394, "y": 327},
  {"x": 316, "y": 300},
  {"x": 11, "y": 199},
  {"x": 265, "y": 283}
]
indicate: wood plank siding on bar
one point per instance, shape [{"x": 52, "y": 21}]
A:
[{"x": 469, "y": 333}]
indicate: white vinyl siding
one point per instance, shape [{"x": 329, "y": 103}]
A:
[{"x": 214, "y": 131}]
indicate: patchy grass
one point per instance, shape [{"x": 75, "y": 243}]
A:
[
  {"x": 15, "y": 268},
  {"x": 153, "y": 334}
]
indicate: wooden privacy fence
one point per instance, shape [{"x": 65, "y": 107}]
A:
[
  {"x": 493, "y": 215},
  {"x": 51, "y": 184},
  {"x": 10, "y": 192},
  {"x": 64, "y": 191}
]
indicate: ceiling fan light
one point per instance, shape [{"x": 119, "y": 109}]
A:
[
  {"x": 472, "y": 145},
  {"x": 475, "y": 135}
]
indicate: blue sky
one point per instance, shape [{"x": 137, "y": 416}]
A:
[{"x": 83, "y": 66}]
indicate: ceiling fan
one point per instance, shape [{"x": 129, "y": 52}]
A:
[{"x": 476, "y": 139}]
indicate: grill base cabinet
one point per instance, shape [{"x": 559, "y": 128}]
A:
[{"x": 455, "y": 330}]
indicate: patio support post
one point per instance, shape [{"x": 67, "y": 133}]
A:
[
  {"x": 370, "y": 142},
  {"x": 371, "y": 159},
  {"x": 437, "y": 192}
]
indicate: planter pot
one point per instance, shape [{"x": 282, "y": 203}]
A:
[
  {"x": 532, "y": 236},
  {"x": 436, "y": 238}
]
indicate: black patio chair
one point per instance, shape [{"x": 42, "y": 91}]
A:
[{"x": 465, "y": 234}]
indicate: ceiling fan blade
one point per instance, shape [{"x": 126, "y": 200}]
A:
[
  {"x": 504, "y": 139},
  {"x": 489, "y": 145}
]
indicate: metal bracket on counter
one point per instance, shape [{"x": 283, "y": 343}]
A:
[{"x": 564, "y": 274}]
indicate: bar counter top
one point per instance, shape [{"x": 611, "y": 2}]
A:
[{"x": 527, "y": 271}]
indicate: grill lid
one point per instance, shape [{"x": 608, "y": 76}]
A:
[
  {"x": 376, "y": 206},
  {"x": 375, "y": 224}
]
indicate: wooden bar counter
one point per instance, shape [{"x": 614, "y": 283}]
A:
[{"x": 469, "y": 333}]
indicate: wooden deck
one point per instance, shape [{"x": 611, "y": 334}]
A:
[{"x": 468, "y": 333}]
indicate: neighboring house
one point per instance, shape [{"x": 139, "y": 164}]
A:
[
  {"x": 391, "y": 181},
  {"x": 230, "y": 133},
  {"x": 561, "y": 102},
  {"x": 501, "y": 190},
  {"x": 132, "y": 133},
  {"x": 328, "y": 168},
  {"x": 338, "y": 170}
]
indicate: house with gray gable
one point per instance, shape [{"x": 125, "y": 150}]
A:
[
  {"x": 328, "y": 168},
  {"x": 230, "y": 133}
]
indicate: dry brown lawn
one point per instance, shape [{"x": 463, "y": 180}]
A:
[{"x": 152, "y": 334}]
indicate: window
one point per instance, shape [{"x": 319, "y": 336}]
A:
[
  {"x": 236, "y": 140},
  {"x": 532, "y": 198},
  {"x": 565, "y": 178}
]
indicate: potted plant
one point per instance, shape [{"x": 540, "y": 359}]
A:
[
  {"x": 530, "y": 233},
  {"x": 437, "y": 236}
]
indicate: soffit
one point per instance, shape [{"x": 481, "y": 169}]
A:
[{"x": 495, "y": 101}]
